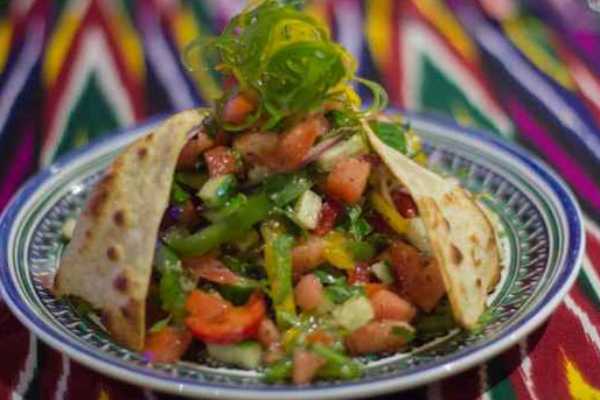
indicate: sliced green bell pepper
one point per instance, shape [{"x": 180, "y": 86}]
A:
[
  {"x": 232, "y": 227},
  {"x": 278, "y": 192},
  {"x": 278, "y": 265}
]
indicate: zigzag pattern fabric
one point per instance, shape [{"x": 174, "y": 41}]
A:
[{"x": 72, "y": 71}]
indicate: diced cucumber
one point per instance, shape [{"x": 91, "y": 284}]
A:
[
  {"x": 349, "y": 148},
  {"x": 216, "y": 191},
  {"x": 245, "y": 355},
  {"x": 67, "y": 229},
  {"x": 308, "y": 209},
  {"x": 353, "y": 313},
  {"x": 383, "y": 272}
]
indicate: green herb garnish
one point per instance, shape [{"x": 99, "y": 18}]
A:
[
  {"x": 286, "y": 60},
  {"x": 392, "y": 134},
  {"x": 356, "y": 224}
]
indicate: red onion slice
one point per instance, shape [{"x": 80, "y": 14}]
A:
[{"x": 319, "y": 149}]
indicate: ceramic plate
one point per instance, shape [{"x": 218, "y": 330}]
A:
[{"x": 542, "y": 245}]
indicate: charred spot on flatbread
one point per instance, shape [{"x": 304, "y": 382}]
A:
[
  {"x": 455, "y": 254},
  {"x": 142, "y": 153},
  {"x": 97, "y": 202},
  {"x": 121, "y": 282},
  {"x": 119, "y": 218},
  {"x": 108, "y": 263},
  {"x": 113, "y": 253},
  {"x": 462, "y": 238}
]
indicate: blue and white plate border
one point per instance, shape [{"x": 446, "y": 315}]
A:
[{"x": 535, "y": 169}]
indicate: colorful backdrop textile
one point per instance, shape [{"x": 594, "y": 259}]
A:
[{"x": 74, "y": 70}]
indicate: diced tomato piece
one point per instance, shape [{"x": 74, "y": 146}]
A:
[
  {"x": 406, "y": 264},
  {"x": 268, "y": 333},
  {"x": 427, "y": 288},
  {"x": 360, "y": 274},
  {"x": 270, "y": 338},
  {"x": 305, "y": 366},
  {"x": 237, "y": 108},
  {"x": 404, "y": 204},
  {"x": 220, "y": 161},
  {"x": 228, "y": 323},
  {"x": 308, "y": 255},
  {"x": 329, "y": 213},
  {"x": 258, "y": 147},
  {"x": 209, "y": 268},
  {"x": 348, "y": 180},
  {"x": 192, "y": 150},
  {"x": 376, "y": 337},
  {"x": 388, "y": 305},
  {"x": 419, "y": 280},
  {"x": 167, "y": 345},
  {"x": 296, "y": 142},
  {"x": 320, "y": 336},
  {"x": 309, "y": 293}
]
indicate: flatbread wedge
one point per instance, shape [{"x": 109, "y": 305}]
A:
[
  {"x": 108, "y": 263},
  {"x": 461, "y": 236}
]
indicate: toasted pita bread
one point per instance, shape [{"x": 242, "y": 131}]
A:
[
  {"x": 108, "y": 263},
  {"x": 461, "y": 236}
]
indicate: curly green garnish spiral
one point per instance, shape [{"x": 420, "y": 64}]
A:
[{"x": 287, "y": 60}]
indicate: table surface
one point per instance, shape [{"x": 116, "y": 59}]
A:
[{"x": 72, "y": 71}]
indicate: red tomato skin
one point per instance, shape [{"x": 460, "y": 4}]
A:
[
  {"x": 231, "y": 325},
  {"x": 329, "y": 213}
]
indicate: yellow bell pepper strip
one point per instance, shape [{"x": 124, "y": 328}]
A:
[
  {"x": 278, "y": 266},
  {"x": 396, "y": 221},
  {"x": 337, "y": 251}
]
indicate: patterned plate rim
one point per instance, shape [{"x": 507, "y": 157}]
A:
[{"x": 535, "y": 168}]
